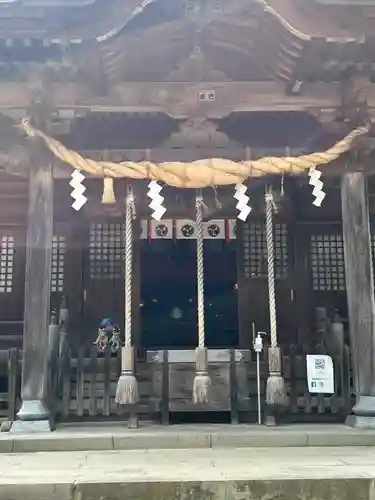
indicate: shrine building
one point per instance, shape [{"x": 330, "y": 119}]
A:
[{"x": 177, "y": 177}]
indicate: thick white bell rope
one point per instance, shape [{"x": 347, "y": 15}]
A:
[
  {"x": 157, "y": 200},
  {"x": 318, "y": 185},
  {"x": 128, "y": 266},
  {"x": 270, "y": 207},
  {"x": 78, "y": 190},
  {"x": 202, "y": 381},
  {"x": 275, "y": 390},
  {"x": 200, "y": 271},
  {"x": 127, "y": 385},
  {"x": 243, "y": 202}
]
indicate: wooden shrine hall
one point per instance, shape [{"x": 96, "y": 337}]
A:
[{"x": 177, "y": 176}]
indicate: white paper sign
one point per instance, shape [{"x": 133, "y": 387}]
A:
[{"x": 320, "y": 376}]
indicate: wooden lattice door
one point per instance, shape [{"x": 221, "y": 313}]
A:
[
  {"x": 12, "y": 280},
  {"x": 104, "y": 275},
  {"x": 58, "y": 264},
  {"x": 12, "y": 273},
  {"x": 254, "y": 303},
  {"x": 328, "y": 267}
]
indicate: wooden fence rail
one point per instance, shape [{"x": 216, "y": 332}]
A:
[{"x": 84, "y": 387}]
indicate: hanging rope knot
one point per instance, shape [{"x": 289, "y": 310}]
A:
[
  {"x": 28, "y": 128},
  {"x": 201, "y": 207},
  {"x": 218, "y": 203},
  {"x": 270, "y": 201},
  {"x": 269, "y": 197},
  {"x": 130, "y": 200}
]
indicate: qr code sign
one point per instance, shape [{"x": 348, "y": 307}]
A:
[{"x": 320, "y": 364}]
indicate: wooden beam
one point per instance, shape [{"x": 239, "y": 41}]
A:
[
  {"x": 181, "y": 100},
  {"x": 360, "y": 293},
  {"x": 33, "y": 414}
]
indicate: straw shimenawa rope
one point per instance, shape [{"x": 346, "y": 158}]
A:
[{"x": 196, "y": 174}]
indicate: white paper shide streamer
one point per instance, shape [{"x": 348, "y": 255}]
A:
[
  {"x": 243, "y": 202},
  {"x": 78, "y": 190},
  {"x": 157, "y": 200},
  {"x": 318, "y": 185}
]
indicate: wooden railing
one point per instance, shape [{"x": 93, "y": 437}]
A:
[
  {"x": 84, "y": 387},
  {"x": 10, "y": 381},
  {"x": 88, "y": 385},
  {"x": 314, "y": 407},
  {"x": 234, "y": 385}
]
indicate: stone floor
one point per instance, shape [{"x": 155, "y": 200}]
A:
[
  {"x": 109, "y": 436},
  {"x": 189, "y": 462},
  {"x": 190, "y": 474},
  {"x": 189, "y": 465}
]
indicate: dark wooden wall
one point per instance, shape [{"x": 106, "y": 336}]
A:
[{"x": 309, "y": 264}]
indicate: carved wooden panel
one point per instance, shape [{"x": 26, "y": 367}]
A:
[
  {"x": 6, "y": 263},
  {"x": 172, "y": 383},
  {"x": 58, "y": 263},
  {"x": 255, "y": 250},
  {"x": 106, "y": 251},
  {"x": 327, "y": 262}
]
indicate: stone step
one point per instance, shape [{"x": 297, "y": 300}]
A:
[{"x": 191, "y": 474}]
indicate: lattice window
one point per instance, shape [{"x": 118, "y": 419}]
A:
[
  {"x": 327, "y": 262},
  {"x": 58, "y": 263},
  {"x": 106, "y": 251},
  {"x": 255, "y": 250},
  {"x": 6, "y": 263}
]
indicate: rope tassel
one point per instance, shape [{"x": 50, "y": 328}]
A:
[
  {"x": 202, "y": 381},
  {"x": 108, "y": 197},
  {"x": 275, "y": 394},
  {"x": 127, "y": 386}
]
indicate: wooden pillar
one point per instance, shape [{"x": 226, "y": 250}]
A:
[
  {"x": 360, "y": 292},
  {"x": 33, "y": 415}
]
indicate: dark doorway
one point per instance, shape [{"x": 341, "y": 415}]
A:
[{"x": 169, "y": 294}]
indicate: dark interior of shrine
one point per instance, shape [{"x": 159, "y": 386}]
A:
[{"x": 169, "y": 294}]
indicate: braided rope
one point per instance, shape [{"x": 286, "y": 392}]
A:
[
  {"x": 197, "y": 174},
  {"x": 200, "y": 270},
  {"x": 128, "y": 267},
  {"x": 271, "y": 267}
]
